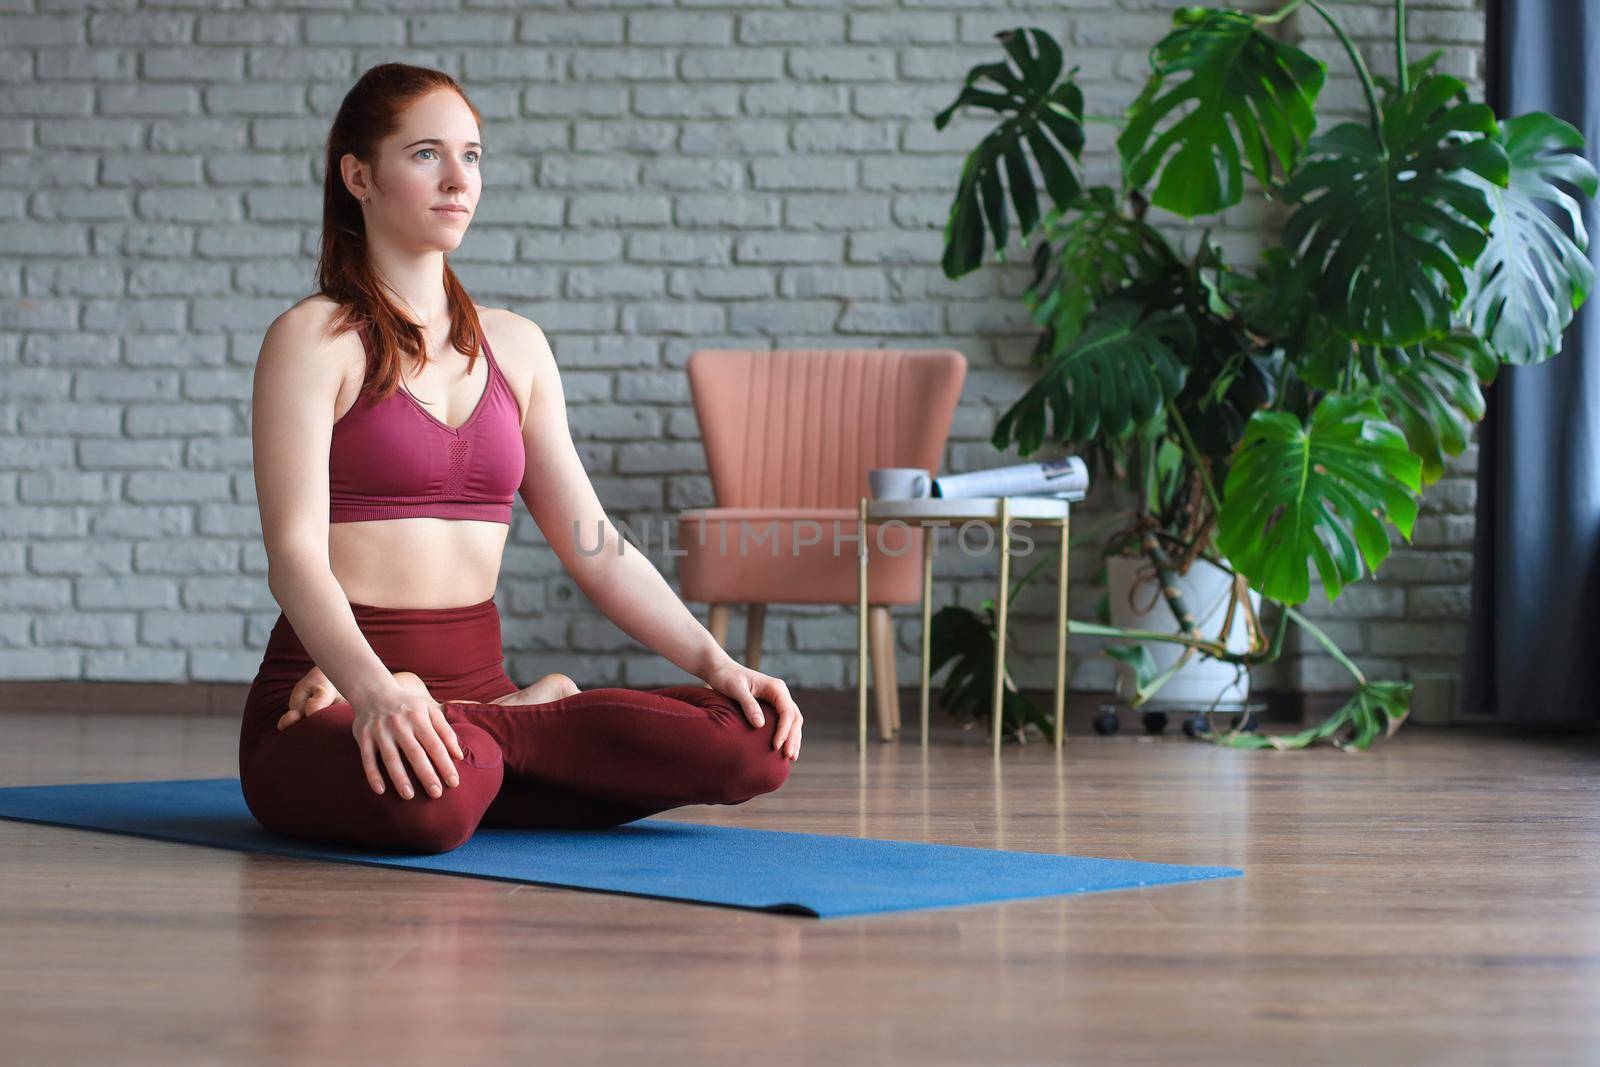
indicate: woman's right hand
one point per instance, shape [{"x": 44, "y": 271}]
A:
[{"x": 405, "y": 722}]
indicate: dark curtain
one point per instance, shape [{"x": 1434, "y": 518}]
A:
[{"x": 1532, "y": 652}]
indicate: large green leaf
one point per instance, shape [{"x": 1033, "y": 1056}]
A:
[
  {"x": 1416, "y": 71},
  {"x": 1432, "y": 392},
  {"x": 1118, "y": 371},
  {"x": 1278, "y": 307},
  {"x": 1147, "y": 676},
  {"x": 1376, "y": 708},
  {"x": 1090, "y": 254},
  {"x": 965, "y": 639},
  {"x": 1390, "y": 226},
  {"x": 1298, "y": 496},
  {"x": 1248, "y": 97},
  {"x": 1231, "y": 371},
  {"x": 1037, "y": 106},
  {"x": 1532, "y": 275}
]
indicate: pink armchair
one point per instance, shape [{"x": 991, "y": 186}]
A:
[{"x": 789, "y": 436}]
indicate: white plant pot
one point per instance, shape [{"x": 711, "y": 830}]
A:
[{"x": 1205, "y": 588}]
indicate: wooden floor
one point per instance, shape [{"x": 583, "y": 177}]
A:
[{"x": 1434, "y": 901}]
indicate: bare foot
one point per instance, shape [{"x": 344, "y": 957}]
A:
[
  {"x": 550, "y": 687},
  {"x": 411, "y": 680}
]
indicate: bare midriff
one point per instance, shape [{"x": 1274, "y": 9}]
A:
[{"x": 417, "y": 562}]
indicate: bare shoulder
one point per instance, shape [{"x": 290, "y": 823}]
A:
[
  {"x": 302, "y": 338},
  {"x": 523, "y": 352},
  {"x": 524, "y": 345},
  {"x": 301, "y": 359}
]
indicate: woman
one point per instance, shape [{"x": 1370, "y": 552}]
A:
[{"x": 386, "y": 458}]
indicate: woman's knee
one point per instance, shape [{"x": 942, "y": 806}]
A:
[
  {"x": 753, "y": 766},
  {"x": 426, "y": 824},
  {"x": 756, "y": 770},
  {"x": 744, "y": 764},
  {"x": 430, "y": 825},
  {"x": 308, "y": 782},
  {"x": 439, "y": 824}
]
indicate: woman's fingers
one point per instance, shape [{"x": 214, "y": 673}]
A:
[
  {"x": 776, "y": 693},
  {"x": 421, "y": 760},
  {"x": 750, "y": 688},
  {"x": 369, "y": 761},
  {"x": 395, "y": 763},
  {"x": 394, "y": 749},
  {"x": 746, "y": 696},
  {"x": 788, "y": 730},
  {"x": 446, "y": 731},
  {"x": 786, "y": 712},
  {"x": 426, "y": 736}
]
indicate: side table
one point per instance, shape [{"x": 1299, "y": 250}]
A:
[{"x": 936, "y": 512}]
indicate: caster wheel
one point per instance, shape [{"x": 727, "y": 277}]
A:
[
  {"x": 1155, "y": 722},
  {"x": 1107, "y": 724},
  {"x": 1195, "y": 726}
]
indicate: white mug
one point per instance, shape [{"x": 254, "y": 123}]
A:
[{"x": 899, "y": 483}]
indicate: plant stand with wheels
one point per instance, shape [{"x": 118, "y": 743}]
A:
[{"x": 1157, "y": 714}]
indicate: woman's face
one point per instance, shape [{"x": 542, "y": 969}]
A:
[{"x": 431, "y": 162}]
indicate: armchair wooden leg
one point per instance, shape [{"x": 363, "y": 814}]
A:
[
  {"x": 894, "y": 693},
  {"x": 755, "y": 624},
  {"x": 719, "y": 623},
  {"x": 885, "y": 686}
]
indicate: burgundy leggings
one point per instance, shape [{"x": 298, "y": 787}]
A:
[{"x": 597, "y": 758}]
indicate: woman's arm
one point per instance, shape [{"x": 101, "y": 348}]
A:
[
  {"x": 619, "y": 579},
  {"x": 295, "y": 388}
]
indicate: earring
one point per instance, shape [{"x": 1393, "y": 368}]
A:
[{"x": 366, "y": 199}]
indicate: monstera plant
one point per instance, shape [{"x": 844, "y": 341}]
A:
[{"x": 1278, "y": 417}]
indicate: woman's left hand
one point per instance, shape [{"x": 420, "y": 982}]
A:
[{"x": 747, "y": 686}]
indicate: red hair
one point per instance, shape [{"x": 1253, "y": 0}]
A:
[{"x": 372, "y": 110}]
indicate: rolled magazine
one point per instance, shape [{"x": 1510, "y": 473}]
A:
[{"x": 1066, "y": 478}]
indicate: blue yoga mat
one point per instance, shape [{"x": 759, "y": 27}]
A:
[{"x": 821, "y": 875}]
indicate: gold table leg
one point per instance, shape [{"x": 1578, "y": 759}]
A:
[
  {"x": 1061, "y": 638},
  {"x": 861, "y": 630},
  {"x": 927, "y": 621},
  {"x": 1001, "y": 598}
]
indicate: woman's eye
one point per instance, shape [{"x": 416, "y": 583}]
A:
[{"x": 475, "y": 156}]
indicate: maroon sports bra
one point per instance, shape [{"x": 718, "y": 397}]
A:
[{"x": 394, "y": 459}]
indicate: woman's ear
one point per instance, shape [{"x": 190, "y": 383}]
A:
[{"x": 357, "y": 180}]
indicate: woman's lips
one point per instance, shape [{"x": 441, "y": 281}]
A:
[{"x": 452, "y": 211}]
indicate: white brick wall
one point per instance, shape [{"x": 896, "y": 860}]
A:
[{"x": 663, "y": 178}]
